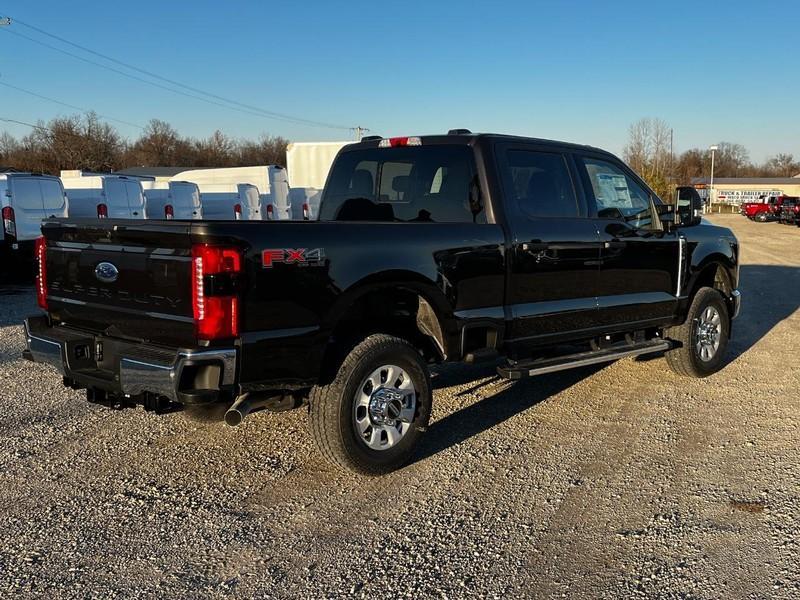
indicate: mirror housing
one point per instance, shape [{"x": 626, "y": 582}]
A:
[
  {"x": 688, "y": 206},
  {"x": 667, "y": 216}
]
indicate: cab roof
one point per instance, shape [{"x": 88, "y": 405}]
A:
[{"x": 464, "y": 136}]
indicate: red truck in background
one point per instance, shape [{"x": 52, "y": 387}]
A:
[{"x": 765, "y": 209}]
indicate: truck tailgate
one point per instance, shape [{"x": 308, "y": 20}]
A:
[{"x": 122, "y": 279}]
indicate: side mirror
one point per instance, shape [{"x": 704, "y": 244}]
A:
[
  {"x": 689, "y": 206},
  {"x": 667, "y": 216}
]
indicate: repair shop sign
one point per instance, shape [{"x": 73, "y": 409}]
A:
[{"x": 742, "y": 196}]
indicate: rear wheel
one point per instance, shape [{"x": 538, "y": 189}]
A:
[
  {"x": 761, "y": 217},
  {"x": 371, "y": 416},
  {"x": 703, "y": 337}
]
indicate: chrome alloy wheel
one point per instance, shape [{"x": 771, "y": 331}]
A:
[
  {"x": 384, "y": 407},
  {"x": 708, "y": 330}
]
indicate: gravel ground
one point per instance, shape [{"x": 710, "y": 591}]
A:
[{"x": 613, "y": 482}]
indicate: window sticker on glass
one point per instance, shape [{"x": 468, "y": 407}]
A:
[{"x": 614, "y": 191}]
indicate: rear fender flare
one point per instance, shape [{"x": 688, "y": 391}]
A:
[{"x": 434, "y": 317}]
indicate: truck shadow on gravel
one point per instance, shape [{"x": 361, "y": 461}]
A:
[
  {"x": 511, "y": 399},
  {"x": 770, "y": 294}
]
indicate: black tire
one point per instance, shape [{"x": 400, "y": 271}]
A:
[
  {"x": 686, "y": 360},
  {"x": 331, "y": 414}
]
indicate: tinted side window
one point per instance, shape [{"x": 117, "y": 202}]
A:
[
  {"x": 52, "y": 195},
  {"x": 420, "y": 184},
  {"x": 617, "y": 195},
  {"x": 540, "y": 183}
]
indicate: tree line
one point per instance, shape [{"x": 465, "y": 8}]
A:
[
  {"x": 85, "y": 142},
  {"x": 649, "y": 152}
]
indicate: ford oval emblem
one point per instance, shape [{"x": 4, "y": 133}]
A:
[{"x": 106, "y": 272}]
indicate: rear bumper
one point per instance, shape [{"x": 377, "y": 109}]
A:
[{"x": 187, "y": 376}]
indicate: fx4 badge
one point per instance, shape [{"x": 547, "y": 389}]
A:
[{"x": 302, "y": 257}]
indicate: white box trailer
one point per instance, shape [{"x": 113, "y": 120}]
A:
[
  {"x": 308, "y": 164},
  {"x": 172, "y": 200},
  {"x": 100, "y": 196},
  {"x": 269, "y": 180},
  {"x": 25, "y": 200}
]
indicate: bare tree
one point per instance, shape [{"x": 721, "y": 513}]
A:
[
  {"x": 783, "y": 165},
  {"x": 267, "y": 150},
  {"x": 648, "y": 152}
]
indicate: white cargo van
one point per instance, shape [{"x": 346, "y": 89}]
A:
[
  {"x": 226, "y": 202},
  {"x": 172, "y": 200},
  {"x": 305, "y": 203},
  {"x": 25, "y": 200},
  {"x": 270, "y": 180},
  {"x": 101, "y": 196}
]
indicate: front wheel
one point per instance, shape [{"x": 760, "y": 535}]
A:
[
  {"x": 762, "y": 217},
  {"x": 371, "y": 416},
  {"x": 703, "y": 337}
]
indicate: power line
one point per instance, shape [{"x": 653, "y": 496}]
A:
[
  {"x": 130, "y": 76},
  {"x": 22, "y": 123},
  {"x": 176, "y": 83},
  {"x": 85, "y": 110},
  {"x": 42, "y": 128},
  {"x": 257, "y": 110}
]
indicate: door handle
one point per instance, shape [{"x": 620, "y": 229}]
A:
[{"x": 615, "y": 244}]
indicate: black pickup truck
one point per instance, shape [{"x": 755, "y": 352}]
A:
[
  {"x": 790, "y": 211},
  {"x": 536, "y": 254}
]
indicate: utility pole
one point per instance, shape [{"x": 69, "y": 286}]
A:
[
  {"x": 359, "y": 131},
  {"x": 5, "y": 21},
  {"x": 671, "y": 160},
  {"x": 711, "y": 186}
]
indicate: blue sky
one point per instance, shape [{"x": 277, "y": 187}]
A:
[{"x": 578, "y": 71}]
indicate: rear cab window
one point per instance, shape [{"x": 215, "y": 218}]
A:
[{"x": 403, "y": 184}]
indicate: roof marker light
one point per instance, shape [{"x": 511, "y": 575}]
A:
[{"x": 399, "y": 141}]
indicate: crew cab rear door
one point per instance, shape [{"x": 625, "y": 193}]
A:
[
  {"x": 552, "y": 282},
  {"x": 639, "y": 260}
]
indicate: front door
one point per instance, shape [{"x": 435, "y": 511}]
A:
[
  {"x": 555, "y": 251},
  {"x": 639, "y": 266}
]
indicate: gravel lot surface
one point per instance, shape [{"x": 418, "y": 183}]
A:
[{"x": 610, "y": 482}]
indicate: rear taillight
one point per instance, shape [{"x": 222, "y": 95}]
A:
[
  {"x": 9, "y": 222},
  {"x": 270, "y": 212},
  {"x": 168, "y": 212},
  {"x": 41, "y": 272},
  {"x": 306, "y": 212},
  {"x": 399, "y": 141},
  {"x": 214, "y": 291},
  {"x": 796, "y": 208},
  {"x": 237, "y": 211},
  {"x": 102, "y": 211}
]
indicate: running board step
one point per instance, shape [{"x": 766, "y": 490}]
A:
[{"x": 570, "y": 361}]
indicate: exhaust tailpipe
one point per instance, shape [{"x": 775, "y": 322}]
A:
[
  {"x": 245, "y": 404},
  {"x": 238, "y": 411}
]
